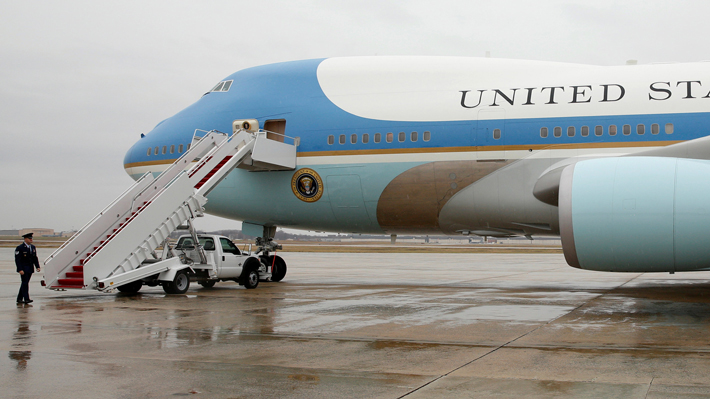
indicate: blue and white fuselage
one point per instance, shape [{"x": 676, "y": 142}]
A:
[{"x": 433, "y": 144}]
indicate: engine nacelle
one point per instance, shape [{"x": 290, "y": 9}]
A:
[{"x": 636, "y": 214}]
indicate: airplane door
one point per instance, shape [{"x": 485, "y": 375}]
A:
[
  {"x": 490, "y": 134},
  {"x": 230, "y": 263},
  {"x": 347, "y": 201}
]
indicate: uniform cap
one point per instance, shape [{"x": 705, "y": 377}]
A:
[{"x": 28, "y": 235}]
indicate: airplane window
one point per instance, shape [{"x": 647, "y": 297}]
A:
[
  {"x": 353, "y": 139},
  {"x": 655, "y": 129},
  {"x": 402, "y": 137},
  {"x": 218, "y": 87},
  {"x": 427, "y": 136},
  {"x": 155, "y": 150},
  {"x": 598, "y": 130},
  {"x": 557, "y": 131},
  {"x": 612, "y": 130},
  {"x": 341, "y": 139},
  {"x": 172, "y": 148},
  {"x": 570, "y": 131},
  {"x": 626, "y": 130},
  {"x": 669, "y": 128},
  {"x": 227, "y": 85},
  {"x": 496, "y": 134},
  {"x": 149, "y": 151},
  {"x": 331, "y": 140},
  {"x": 543, "y": 132},
  {"x": 365, "y": 138},
  {"x": 585, "y": 131},
  {"x": 640, "y": 129},
  {"x": 188, "y": 146},
  {"x": 390, "y": 137},
  {"x": 414, "y": 136},
  {"x": 180, "y": 148},
  {"x": 378, "y": 137},
  {"x": 165, "y": 149}
]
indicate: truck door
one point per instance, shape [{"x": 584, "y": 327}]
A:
[{"x": 231, "y": 260}]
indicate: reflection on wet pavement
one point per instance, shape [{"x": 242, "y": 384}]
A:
[{"x": 371, "y": 325}]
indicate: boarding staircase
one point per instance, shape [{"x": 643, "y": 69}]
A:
[{"x": 115, "y": 245}]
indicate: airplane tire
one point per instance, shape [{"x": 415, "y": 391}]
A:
[
  {"x": 279, "y": 271},
  {"x": 131, "y": 288},
  {"x": 179, "y": 285}
]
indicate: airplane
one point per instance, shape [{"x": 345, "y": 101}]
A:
[{"x": 613, "y": 159}]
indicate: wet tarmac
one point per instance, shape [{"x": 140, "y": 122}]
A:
[{"x": 369, "y": 326}]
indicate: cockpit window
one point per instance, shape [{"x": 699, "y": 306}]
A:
[{"x": 222, "y": 86}]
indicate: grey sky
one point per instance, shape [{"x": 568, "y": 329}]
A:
[{"x": 80, "y": 80}]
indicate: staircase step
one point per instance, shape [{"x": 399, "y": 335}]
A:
[
  {"x": 76, "y": 275},
  {"x": 78, "y": 268}
]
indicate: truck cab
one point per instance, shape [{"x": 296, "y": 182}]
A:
[{"x": 215, "y": 258}]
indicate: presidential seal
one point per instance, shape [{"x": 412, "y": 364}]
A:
[{"x": 307, "y": 185}]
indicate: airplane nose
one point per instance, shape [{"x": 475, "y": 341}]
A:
[{"x": 129, "y": 160}]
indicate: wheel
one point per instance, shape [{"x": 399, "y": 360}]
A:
[
  {"x": 251, "y": 280},
  {"x": 131, "y": 288},
  {"x": 207, "y": 283},
  {"x": 279, "y": 270},
  {"x": 179, "y": 285}
]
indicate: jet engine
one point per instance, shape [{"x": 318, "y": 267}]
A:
[{"x": 636, "y": 214}]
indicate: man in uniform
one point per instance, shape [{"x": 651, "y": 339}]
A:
[{"x": 26, "y": 261}]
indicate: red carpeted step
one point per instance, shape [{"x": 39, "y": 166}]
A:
[
  {"x": 76, "y": 275},
  {"x": 71, "y": 281},
  {"x": 79, "y": 268}
]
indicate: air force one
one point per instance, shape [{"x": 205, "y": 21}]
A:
[{"x": 614, "y": 160}]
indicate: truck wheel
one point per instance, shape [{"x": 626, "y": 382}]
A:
[
  {"x": 179, "y": 285},
  {"x": 131, "y": 288},
  {"x": 279, "y": 270},
  {"x": 207, "y": 284},
  {"x": 250, "y": 279}
]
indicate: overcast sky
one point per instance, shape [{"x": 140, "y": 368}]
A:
[{"x": 80, "y": 80}]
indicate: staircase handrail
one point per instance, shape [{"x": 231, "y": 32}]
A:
[
  {"x": 296, "y": 140},
  {"x": 78, "y": 232}
]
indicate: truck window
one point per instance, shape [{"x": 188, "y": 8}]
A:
[
  {"x": 185, "y": 242},
  {"x": 207, "y": 243},
  {"x": 229, "y": 247}
]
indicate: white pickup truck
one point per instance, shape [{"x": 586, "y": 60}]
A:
[{"x": 211, "y": 259}]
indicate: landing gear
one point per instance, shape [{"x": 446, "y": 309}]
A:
[
  {"x": 266, "y": 244},
  {"x": 278, "y": 271},
  {"x": 179, "y": 285}
]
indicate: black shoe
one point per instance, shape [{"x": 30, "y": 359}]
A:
[{"x": 30, "y": 301}]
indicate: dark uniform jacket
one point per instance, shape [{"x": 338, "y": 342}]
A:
[{"x": 26, "y": 258}]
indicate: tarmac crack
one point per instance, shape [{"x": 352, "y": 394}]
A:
[{"x": 521, "y": 336}]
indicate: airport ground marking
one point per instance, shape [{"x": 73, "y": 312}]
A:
[{"x": 521, "y": 336}]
